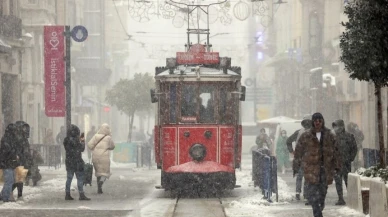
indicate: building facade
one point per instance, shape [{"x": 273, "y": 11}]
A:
[{"x": 11, "y": 62}]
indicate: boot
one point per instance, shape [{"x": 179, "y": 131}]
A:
[
  {"x": 20, "y": 189},
  {"x": 340, "y": 201},
  {"x": 68, "y": 196},
  {"x": 99, "y": 185},
  {"x": 83, "y": 197},
  {"x": 297, "y": 196}
]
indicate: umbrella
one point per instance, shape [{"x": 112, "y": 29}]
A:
[{"x": 276, "y": 120}]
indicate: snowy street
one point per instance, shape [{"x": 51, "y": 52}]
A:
[{"x": 130, "y": 192}]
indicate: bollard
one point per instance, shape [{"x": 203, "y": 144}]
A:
[
  {"x": 267, "y": 178},
  {"x": 274, "y": 178},
  {"x": 139, "y": 157}
]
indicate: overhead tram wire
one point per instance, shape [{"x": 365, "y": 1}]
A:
[{"x": 122, "y": 25}]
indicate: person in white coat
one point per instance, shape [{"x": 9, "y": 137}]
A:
[{"x": 101, "y": 144}]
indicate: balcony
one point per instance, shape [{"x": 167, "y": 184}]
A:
[{"x": 10, "y": 26}]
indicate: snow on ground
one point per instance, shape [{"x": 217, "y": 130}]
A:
[
  {"x": 252, "y": 204},
  {"x": 58, "y": 184}
]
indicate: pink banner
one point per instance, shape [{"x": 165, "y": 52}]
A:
[{"x": 54, "y": 71}]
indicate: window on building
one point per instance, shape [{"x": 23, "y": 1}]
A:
[
  {"x": 11, "y": 7},
  {"x": 1, "y": 7}
]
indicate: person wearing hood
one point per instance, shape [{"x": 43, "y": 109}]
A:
[
  {"x": 347, "y": 146},
  {"x": 8, "y": 162},
  {"x": 306, "y": 124},
  {"x": 100, "y": 145},
  {"x": 316, "y": 152},
  {"x": 74, "y": 162},
  {"x": 359, "y": 136},
  {"x": 23, "y": 151},
  {"x": 263, "y": 140}
]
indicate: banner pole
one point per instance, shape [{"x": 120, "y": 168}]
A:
[{"x": 68, "y": 78}]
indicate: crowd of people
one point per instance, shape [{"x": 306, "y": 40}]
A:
[
  {"x": 320, "y": 156},
  {"x": 16, "y": 158}
]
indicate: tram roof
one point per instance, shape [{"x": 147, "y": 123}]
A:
[{"x": 203, "y": 71}]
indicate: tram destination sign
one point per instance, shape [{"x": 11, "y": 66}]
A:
[
  {"x": 197, "y": 58},
  {"x": 197, "y": 55}
]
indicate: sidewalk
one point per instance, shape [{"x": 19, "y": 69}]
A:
[
  {"x": 331, "y": 210},
  {"x": 248, "y": 200}
]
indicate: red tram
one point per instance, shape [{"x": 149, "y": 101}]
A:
[{"x": 198, "y": 128}]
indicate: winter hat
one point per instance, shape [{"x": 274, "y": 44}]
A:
[
  {"x": 306, "y": 122},
  {"x": 317, "y": 116}
]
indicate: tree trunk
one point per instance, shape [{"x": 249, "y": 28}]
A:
[
  {"x": 380, "y": 126},
  {"x": 131, "y": 117},
  {"x": 130, "y": 129}
]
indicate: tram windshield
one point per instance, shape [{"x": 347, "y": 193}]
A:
[{"x": 207, "y": 103}]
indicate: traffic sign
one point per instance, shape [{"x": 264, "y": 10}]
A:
[{"x": 79, "y": 33}]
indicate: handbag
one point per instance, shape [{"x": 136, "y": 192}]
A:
[
  {"x": 20, "y": 174},
  {"x": 90, "y": 161}
]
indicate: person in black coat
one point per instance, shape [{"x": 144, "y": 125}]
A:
[
  {"x": 74, "y": 162},
  {"x": 347, "y": 146},
  {"x": 359, "y": 136},
  {"x": 23, "y": 151},
  {"x": 306, "y": 124},
  {"x": 8, "y": 162}
]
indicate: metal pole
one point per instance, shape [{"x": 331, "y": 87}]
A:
[
  {"x": 68, "y": 78},
  {"x": 314, "y": 100},
  {"x": 254, "y": 100}
]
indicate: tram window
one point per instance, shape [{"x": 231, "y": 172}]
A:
[
  {"x": 206, "y": 109},
  {"x": 189, "y": 101},
  {"x": 163, "y": 100},
  {"x": 226, "y": 107},
  {"x": 173, "y": 102}
]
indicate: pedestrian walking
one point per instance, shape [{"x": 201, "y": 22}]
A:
[
  {"x": 49, "y": 138},
  {"x": 263, "y": 139},
  {"x": 34, "y": 168},
  {"x": 74, "y": 162},
  {"x": 60, "y": 139},
  {"x": 281, "y": 152},
  {"x": 306, "y": 124},
  {"x": 89, "y": 136},
  {"x": 348, "y": 149},
  {"x": 24, "y": 153},
  {"x": 359, "y": 136},
  {"x": 8, "y": 162},
  {"x": 317, "y": 153},
  {"x": 101, "y": 144}
]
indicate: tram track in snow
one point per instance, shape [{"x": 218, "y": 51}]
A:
[{"x": 198, "y": 207}]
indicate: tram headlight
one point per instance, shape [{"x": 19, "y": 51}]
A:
[{"x": 197, "y": 152}]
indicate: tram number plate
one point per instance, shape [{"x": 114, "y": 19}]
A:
[{"x": 189, "y": 119}]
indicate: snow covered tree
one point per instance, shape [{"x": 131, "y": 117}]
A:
[
  {"x": 364, "y": 47},
  {"x": 130, "y": 96}
]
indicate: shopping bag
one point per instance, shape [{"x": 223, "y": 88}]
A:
[{"x": 20, "y": 174}]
